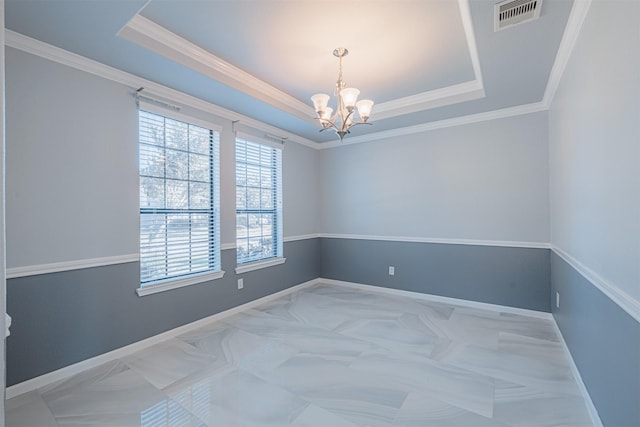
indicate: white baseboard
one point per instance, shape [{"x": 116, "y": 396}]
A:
[
  {"x": 436, "y": 298},
  {"x": 593, "y": 412},
  {"x": 68, "y": 371}
]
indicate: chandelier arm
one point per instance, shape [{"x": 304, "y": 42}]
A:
[
  {"x": 329, "y": 122},
  {"x": 345, "y": 126},
  {"x": 359, "y": 123}
]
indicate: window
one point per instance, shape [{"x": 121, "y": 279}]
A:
[
  {"x": 258, "y": 202},
  {"x": 179, "y": 202}
]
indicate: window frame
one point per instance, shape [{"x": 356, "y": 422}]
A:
[
  {"x": 277, "y": 211},
  {"x": 215, "y": 272}
]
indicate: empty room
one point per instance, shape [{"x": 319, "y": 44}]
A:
[{"x": 333, "y": 213}]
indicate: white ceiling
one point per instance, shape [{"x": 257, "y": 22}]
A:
[{"x": 421, "y": 61}]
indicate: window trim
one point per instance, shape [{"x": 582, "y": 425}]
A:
[
  {"x": 179, "y": 282},
  {"x": 257, "y": 265},
  {"x": 278, "y": 210},
  {"x": 170, "y": 283}
]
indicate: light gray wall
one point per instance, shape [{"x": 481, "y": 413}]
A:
[
  {"x": 594, "y": 138},
  {"x": 482, "y": 181},
  {"x": 594, "y": 131},
  {"x": 301, "y": 190},
  {"x": 71, "y": 164},
  {"x": 72, "y": 170}
]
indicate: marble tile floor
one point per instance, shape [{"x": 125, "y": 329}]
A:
[{"x": 329, "y": 356}]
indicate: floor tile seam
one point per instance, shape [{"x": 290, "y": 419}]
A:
[
  {"x": 46, "y": 404},
  {"x": 53, "y": 388},
  {"x": 426, "y": 388},
  {"x": 285, "y": 339},
  {"x": 509, "y": 376},
  {"x": 348, "y": 414},
  {"x": 554, "y": 361},
  {"x": 554, "y": 342},
  {"x": 76, "y": 389},
  {"x": 89, "y": 414},
  {"x": 335, "y": 414},
  {"x": 535, "y": 387},
  {"x": 517, "y": 356},
  {"x": 550, "y": 370},
  {"x": 543, "y": 394},
  {"x": 306, "y": 395},
  {"x": 372, "y": 380},
  {"x": 443, "y": 402}
]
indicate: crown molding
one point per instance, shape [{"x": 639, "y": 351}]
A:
[
  {"x": 441, "y": 124},
  {"x": 467, "y": 24},
  {"x": 64, "y": 57},
  {"x": 572, "y": 30},
  {"x": 454, "y": 94},
  {"x": 158, "y": 39}
]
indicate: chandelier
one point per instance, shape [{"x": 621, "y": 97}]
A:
[{"x": 343, "y": 119}]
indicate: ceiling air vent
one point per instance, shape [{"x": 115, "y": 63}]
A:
[{"x": 513, "y": 12}]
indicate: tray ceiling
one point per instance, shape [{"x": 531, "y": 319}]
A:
[{"x": 420, "y": 61}]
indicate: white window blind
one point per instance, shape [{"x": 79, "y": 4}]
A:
[
  {"x": 258, "y": 201},
  {"x": 179, "y": 199}
]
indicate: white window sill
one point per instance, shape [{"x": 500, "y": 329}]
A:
[
  {"x": 257, "y": 265},
  {"x": 167, "y": 285}
]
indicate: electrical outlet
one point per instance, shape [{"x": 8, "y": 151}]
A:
[
  {"x": 392, "y": 270},
  {"x": 557, "y": 299},
  {"x": 240, "y": 283}
]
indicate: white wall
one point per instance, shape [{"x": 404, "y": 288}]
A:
[
  {"x": 72, "y": 167},
  {"x": 482, "y": 181},
  {"x": 594, "y": 131}
]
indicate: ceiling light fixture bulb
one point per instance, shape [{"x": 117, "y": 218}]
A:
[
  {"x": 320, "y": 102},
  {"x": 349, "y": 97},
  {"x": 364, "y": 108}
]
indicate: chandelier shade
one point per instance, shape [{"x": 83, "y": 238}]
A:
[{"x": 342, "y": 121}]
